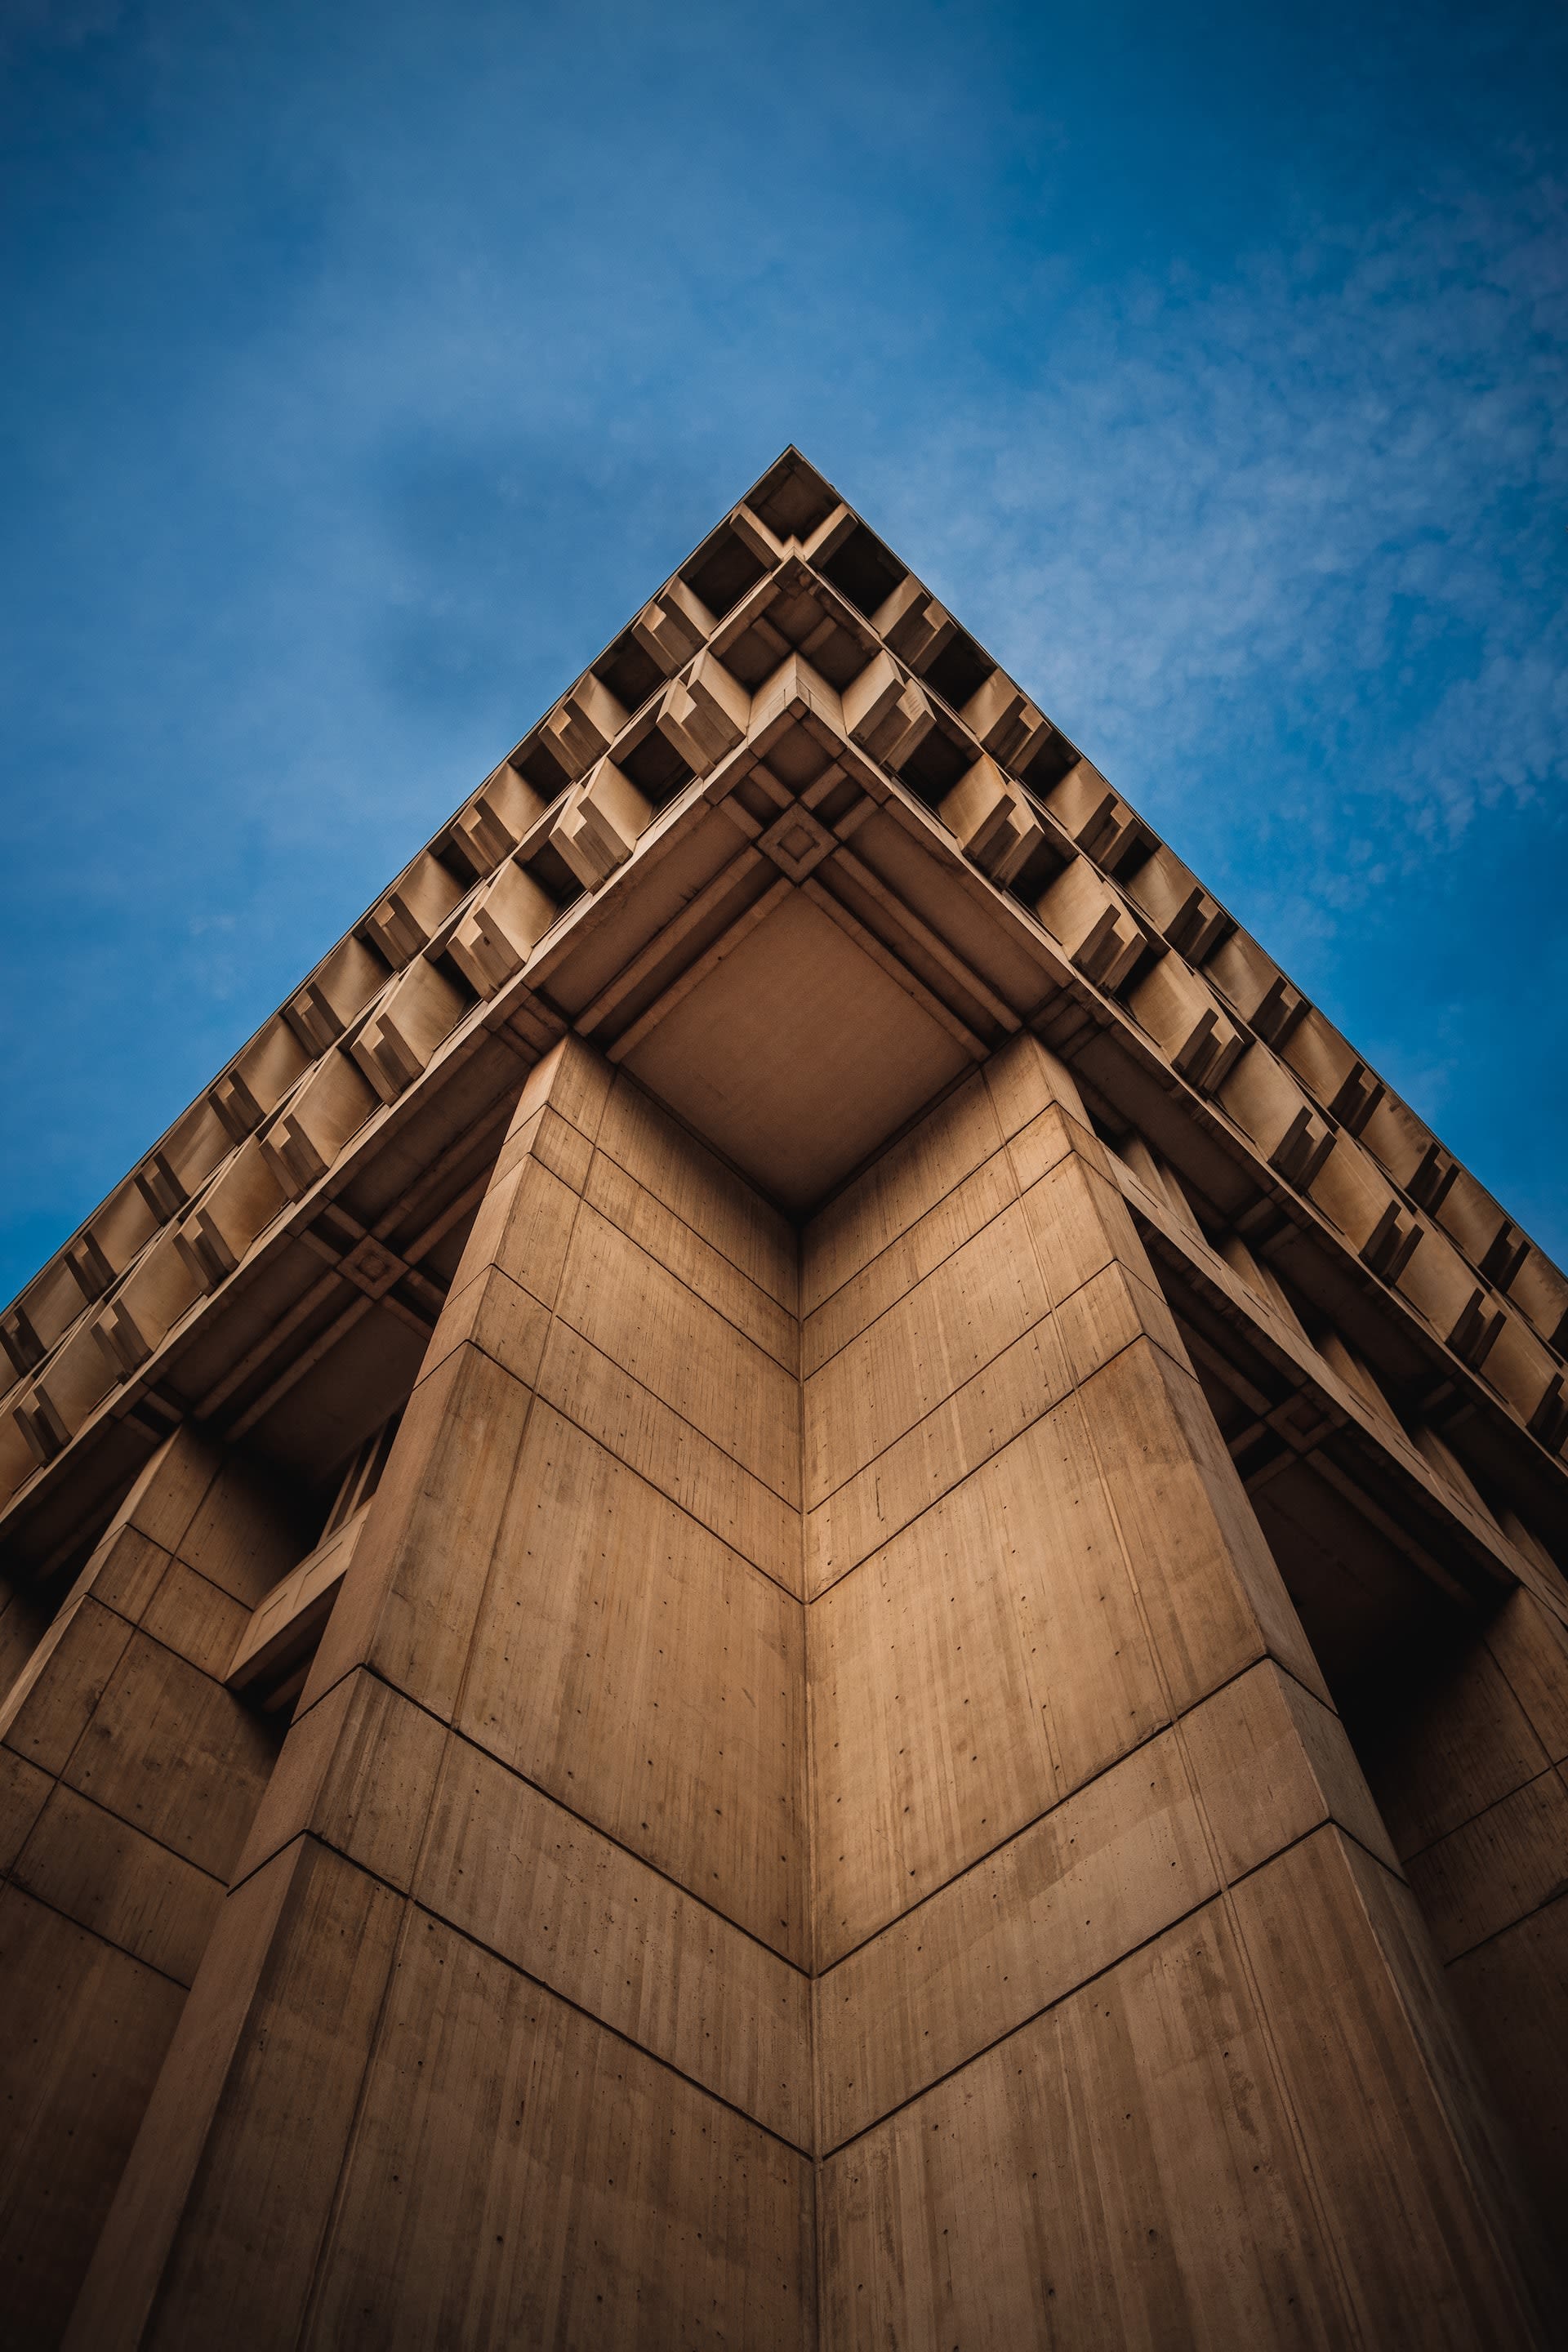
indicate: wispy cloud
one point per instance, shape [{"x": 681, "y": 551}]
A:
[
  {"x": 1305, "y": 504},
  {"x": 373, "y": 365}
]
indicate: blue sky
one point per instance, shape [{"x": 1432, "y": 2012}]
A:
[{"x": 367, "y": 366}]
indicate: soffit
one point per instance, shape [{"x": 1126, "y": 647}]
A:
[{"x": 796, "y": 1055}]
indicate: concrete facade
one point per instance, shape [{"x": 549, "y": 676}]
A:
[{"x": 793, "y": 1582}]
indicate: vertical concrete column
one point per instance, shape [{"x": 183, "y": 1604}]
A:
[
  {"x": 1127, "y": 2028},
  {"x": 503, "y": 2034},
  {"x": 128, "y": 1777}
]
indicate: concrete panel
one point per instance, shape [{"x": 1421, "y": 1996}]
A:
[
  {"x": 1046, "y": 1139},
  {"x": 1449, "y": 1740},
  {"x": 1024, "y": 1078},
  {"x": 1359, "y": 2036},
  {"x": 243, "y": 1534},
  {"x": 1271, "y": 1762},
  {"x": 575, "y": 1082},
  {"x": 652, "y": 1439},
  {"x": 62, "y": 1683},
  {"x": 409, "y": 1600},
  {"x": 638, "y": 1213},
  {"x": 553, "y": 2184},
  {"x": 523, "y": 1225},
  {"x": 623, "y": 1303},
  {"x": 1512, "y": 1994},
  {"x": 1531, "y": 1647},
  {"x": 129, "y": 1851},
  {"x": 173, "y": 1754},
  {"x": 1213, "y": 1594},
  {"x": 228, "y": 2190},
  {"x": 358, "y": 1771},
  {"x": 981, "y": 1298},
  {"x": 557, "y": 1142},
  {"x": 97, "y": 1870},
  {"x": 556, "y": 1898},
  {"x": 197, "y": 1620},
  {"x": 86, "y": 2031},
  {"x": 916, "y": 1252},
  {"x": 1079, "y": 1223},
  {"x": 898, "y": 1190},
  {"x": 976, "y": 1422},
  {"x": 634, "y": 1666},
  {"x": 497, "y": 1315},
  {"x": 24, "y": 1791},
  {"x": 1509, "y": 1861},
  {"x": 1477, "y": 2119},
  {"x": 1103, "y": 1872},
  {"x": 165, "y": 1498},
  {"x": 125, "y": 1571},
  {"x": 670, "y": 1162},
  {"x": 980, "y": 1666},
  {"x": 1107, "y": 1313},
  {"x": 1121, "y": 2173}
]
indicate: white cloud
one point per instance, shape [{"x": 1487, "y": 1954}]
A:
[{"x": 1306, "y": 473}]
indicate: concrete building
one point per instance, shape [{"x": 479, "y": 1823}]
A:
[{"x": 794, "y": 1581}]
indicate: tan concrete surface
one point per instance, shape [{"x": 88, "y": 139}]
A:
[{"x": 947, "y": 1716}]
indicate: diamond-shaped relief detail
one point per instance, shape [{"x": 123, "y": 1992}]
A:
[
  {"x": 1303, "y": 1422},
  {"x": 371, "y": 1267},
  {"x": 796, "y": 842}
]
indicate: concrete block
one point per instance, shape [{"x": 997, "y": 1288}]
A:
[
  {"x": 992, "y": 820},
  {"x": 600, "y": 824},
  {"x": 501, "y": 929}
]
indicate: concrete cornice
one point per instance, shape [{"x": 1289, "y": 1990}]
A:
[{"x": 630, "y": 842}]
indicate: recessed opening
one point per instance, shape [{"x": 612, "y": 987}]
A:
[
  {"x": 275, "y": 1654},
  {"x": 960, "y": 670},
  {"x": 1050, "y": 763},
  {"x": 721, "y": 571},
  {"x": 655, "y": 767},
  {"x": 551, "y": 871},
  {"x": 864, "y": 571},
  {"x": 797, "y": 758},
  {"x": 792, "y": 500},
  {"x": 542, "y": 770},
  {"x": 1038, "y": 871},
  {"x": 756, "y": 652},
  {"x": 630, "y": 674},
  {"x": 936, "y": 766}
]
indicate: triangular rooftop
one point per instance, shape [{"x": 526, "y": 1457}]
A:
[{"x": 796, "y": 853}]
